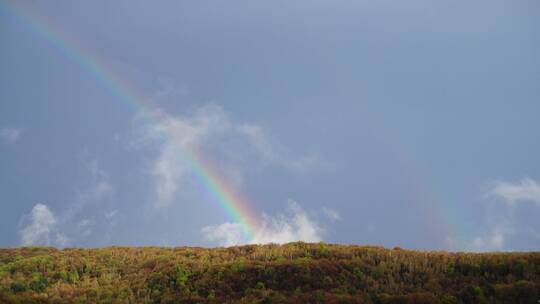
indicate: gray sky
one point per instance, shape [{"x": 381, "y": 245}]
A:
[{"x": 368, "y": 122}]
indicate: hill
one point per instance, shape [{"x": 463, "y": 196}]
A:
[{"x": 291, "y": 273}]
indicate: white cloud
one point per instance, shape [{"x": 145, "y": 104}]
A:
[
  {"x": 234, "y": 147},
  {"x": 10, "y": 135},
  {"x": 501, "y": 223},
  {"x": 41, "y": 224},
  {"x": 167, "y": 171},
  {"x": 226, "y": 234},
  {"x": 75, "y": 222},
  {"x": 98, "y": 190},
  {"x": 332, "y": 214},
  {"x": 496, "y": 239},
  {"x": 526, "y": 190},
  {"x": 181, "y": 134},
  {"x": 295, "y": 225}
]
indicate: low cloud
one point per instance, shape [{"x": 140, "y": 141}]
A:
[
  {"x": 226, "y": 234},
  {"x": 294, "y": 225},
  {"x": 75, "y": 222},
  {"x": 503, "y": 197},
  {"x": 499, "y": 233},
  {"x": 526, "y": 190},
  {"x": 80, "y": 216},
  {"x": 10, "y": 135},
  {"x": 494, "y": 241},
  {"x": 40, "y": 228}
]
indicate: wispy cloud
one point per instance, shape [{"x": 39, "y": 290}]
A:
[
  {"x": 74, "y": 222},
  {"x": 234, "y": 146},
  {"x": 495, "y": 240},
  {"x": 503, "y": 197},
  {"x": 10, "y": 135},
  {"x": 97, "y": 189},
  {"x": 180, "y": 134},
  {"x": 332, "y": 214},
  {"x": 40, "y": 228},
  {"x": 294, "y": 225},
  {"x": 526, "y": 190},
  {"x": 226, "y": 234},
  {"x": 101, "y": 186},
  {"x": 274, "y": 153}
]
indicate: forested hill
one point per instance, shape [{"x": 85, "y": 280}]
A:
[{"x": 291, "y": 273}]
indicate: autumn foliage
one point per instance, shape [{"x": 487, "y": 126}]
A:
[{"x": 291, "y": 273}]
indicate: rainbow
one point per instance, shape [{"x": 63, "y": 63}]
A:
[{"x": 207, "y": 173}]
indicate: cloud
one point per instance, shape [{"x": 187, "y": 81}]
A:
[
  {"x": 209, "y": 130},
  {"x": 226, "y": 234},
  {"x": 75, "y": 222},
  {"x": 88, "y": 200},
  {"x": 10, "y": 135},
  {"x": 294, "y": 225},
  {"x": 501, "y": 225},
  {"x": 492, "y": 242},
  {"x": 180, "y": 134},
  {"x": 41, "y": 225},
  {"x": 98, "y": 189},
  {"x": 274, "y": 153},
  {"x": 496, "y": 239},
  {"x": 332, "y": 214},
  {"x": 526, "y": 190},
  {"x": 167, "y": 172},
  {"x": 100, "y": 185}
]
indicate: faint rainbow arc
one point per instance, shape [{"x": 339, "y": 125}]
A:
[{"x": 235, "y": 206}]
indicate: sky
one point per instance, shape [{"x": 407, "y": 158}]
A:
[{"x": 218, "y": 123}]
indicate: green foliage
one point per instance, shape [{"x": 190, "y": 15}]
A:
[
  {"x": 260, "y": 285},
  {"x": 182, "y": 275},
  {"x": 17, "y": 287},
  {"x": 292, "y": 273},
  {"x": 38, "y": 283}
]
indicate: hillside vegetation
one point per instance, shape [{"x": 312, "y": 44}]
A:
[{"x": 291, "y": 273}]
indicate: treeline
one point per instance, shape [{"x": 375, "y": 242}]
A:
[{"x": 291, "y": 273}]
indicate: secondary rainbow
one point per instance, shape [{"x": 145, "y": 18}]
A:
[{"x": 207, "y": 173}]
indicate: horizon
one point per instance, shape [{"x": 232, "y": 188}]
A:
[{"x": 217, "y": 247}]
